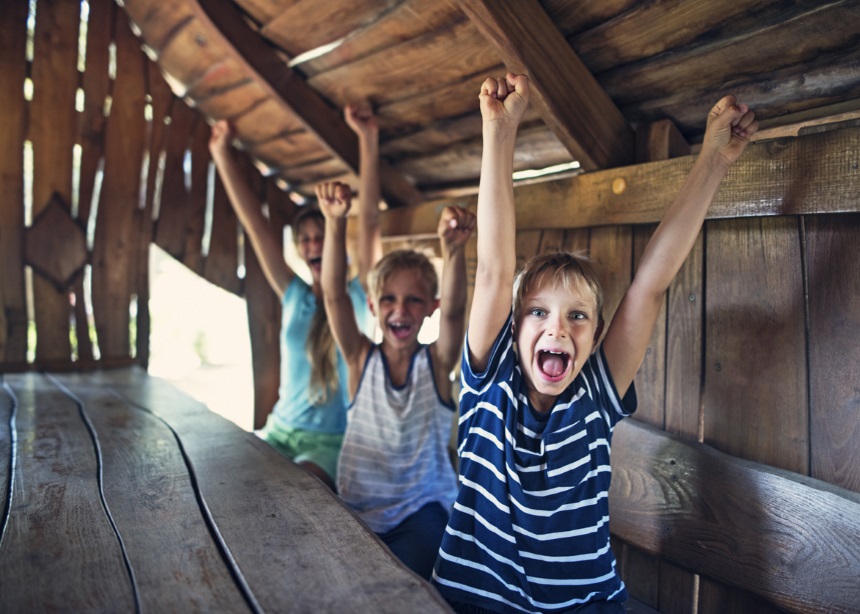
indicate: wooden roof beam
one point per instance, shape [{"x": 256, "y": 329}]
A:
[
  {"x": 220, "y": 18},
  {"x": 570, "y": 100}
]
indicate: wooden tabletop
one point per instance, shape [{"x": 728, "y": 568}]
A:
[{"x": 120, "y": 493}]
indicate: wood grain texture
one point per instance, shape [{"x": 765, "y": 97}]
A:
[
  {"x": 58, "y": 529},
  {"x": 790, "y": 539},
  {"x": 293, "y": 540},
  {"x": 570, "y": 100},
  {"x": 832, "y": 252},
  {"x": 13, "y": 67},
  {"x": 308, "y": 24},
  {"x": 115, "y": 257},
  {"x": 755, "y": 389},
  {"x": 222, "y": 263},
  {"x": 651, "y": 377},
  {"x": 52, "y": 131},
  {"x": 684, "y": 332},
  {"x": 408, "y": 19},
  {"x": 169, "y": 231},
  {"x": 611, "y": 253},
  {"x": 177, "y": 564},
  {"x": 816, "y": 173}
]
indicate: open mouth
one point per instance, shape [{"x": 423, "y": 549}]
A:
[
  {"x": 315, "y": 263},
  {"x": 400, "y": 330},
  {"x": 553, "y": 364}
]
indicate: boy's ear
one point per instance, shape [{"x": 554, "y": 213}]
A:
[
  {"x": 435, "y": 305},
  {"x": 370, "y": 306},
  {"x": 598, "y": 331}
]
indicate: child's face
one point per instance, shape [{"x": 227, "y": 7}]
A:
[
  {"x": 309, "y": 244},
  {"x": 555, "y": 332},
  {"x": 403, "y": 302}
]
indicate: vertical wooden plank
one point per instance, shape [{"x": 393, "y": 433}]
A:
[
  {"x": 527, "y": 245},
  {"x": 13, "y": 71},
  {"x": 650, "y": 380},
  {"x": 115, "y": 250},
  {"x": 173, "y": 210},
  {"x": 222, "y": 263},
  {"x": 642, "y": 575},
  {"x": 684, "y": 345},
  {"x": 147, "y": 485},
  {"x": 833, "y": 250},
  {"x": 551, "y": 241},
  {"x": 755, "y": 393},
  {"x": 611, "y": 254},
  {"x": 716, "y": 598},
  {"x": 677, "y": 590},
  {"x": 52, "y": 132},
  {"x": 264, "y": 322},
  {"x": 199, "y": 147},
  {"x": 576, "y": 241},
  {"x": 56, "y": 509}
]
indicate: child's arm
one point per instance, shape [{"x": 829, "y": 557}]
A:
[
  {"x": 249, "y": 210},
  {"x": 455, "y": 227},
  {"x": 363, "y": 123},
  {"x": 334, "y": 201},
  {"x": 503, "y": 102},
  {"x": 729, "y": 129}
]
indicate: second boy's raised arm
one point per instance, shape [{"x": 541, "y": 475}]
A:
[
  {"x": 369, "y": 249},
  {"x": 334, "y": 202},
  {"x": 456, "y": 225},
  {"x": 503, "y": 102}
]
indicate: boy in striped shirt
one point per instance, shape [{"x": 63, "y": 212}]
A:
[{"x": 539, "y": 400}]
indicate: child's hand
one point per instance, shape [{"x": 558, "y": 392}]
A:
[
  {"x": 505, "y": 99},
  {"x": 456, "y": 225},
  {"x": 361, "y": 119},
  {"x": 222, "y": 135},
  {"x": 730, "y": 127},
  {"x": 334, "y": 199}
]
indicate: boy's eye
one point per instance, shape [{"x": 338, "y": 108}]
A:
[
  {"x": 537, "y": 312},
  {"x": 386, "y": 299},
  {"x": 578, "y": 315}
]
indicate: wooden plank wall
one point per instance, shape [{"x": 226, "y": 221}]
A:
[{"x": 109, "y": 151}]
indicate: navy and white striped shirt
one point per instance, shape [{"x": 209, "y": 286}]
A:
[{"x": 530, "y": 529}]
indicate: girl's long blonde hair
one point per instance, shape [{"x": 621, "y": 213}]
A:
[{"x": 320, "y": 347}]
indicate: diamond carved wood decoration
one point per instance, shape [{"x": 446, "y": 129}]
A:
[{"x": 55, "y": 245}]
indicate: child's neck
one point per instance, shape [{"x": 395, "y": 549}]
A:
[{"x": 399, "y": 360}]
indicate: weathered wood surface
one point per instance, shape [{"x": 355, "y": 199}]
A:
[
  {"x": 792, "y": 540},
  {"x": 754, "y": 398},
  {"x": 815, "y": 173},
  {"x": 209, "y": 516},
  {"x": 832, "y": 253},
  {"x": 58, "y": 530},
  {"x": 570, "y": 100},
  {"x": 51, "y": 128},
  {"x": 13, "y": 72}
]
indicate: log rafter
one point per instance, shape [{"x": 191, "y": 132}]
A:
[
  {"x": 224, "y": 27},
  {"x": 571, "y": 101}
]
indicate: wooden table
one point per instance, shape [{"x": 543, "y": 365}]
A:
[{"x": 119, "y": 493}]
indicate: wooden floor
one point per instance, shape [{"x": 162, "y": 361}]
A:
[{"x": 119, "y": 493}]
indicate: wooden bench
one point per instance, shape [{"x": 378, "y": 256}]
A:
[
  {"x": 119, "y": 493},
  {"x": 792, "y": 540}
]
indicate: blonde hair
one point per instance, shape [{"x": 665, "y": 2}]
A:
[
  {"x": 320, "y": 347},
  {"x": 557, "y": 268},
  {"x": 398, "y": 260}
]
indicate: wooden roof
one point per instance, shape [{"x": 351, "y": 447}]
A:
[{"x": 282, "y": 70}]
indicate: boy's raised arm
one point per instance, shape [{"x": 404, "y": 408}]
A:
[
  {"x": 456, "y": 225},
  {"x": 730, "y": 127},
  {"x": 363, "y": 123},
  {"x": 334, "y": 201},
  {"x": 503, "y": 102},
  {"x": 249, "y": 210}
]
